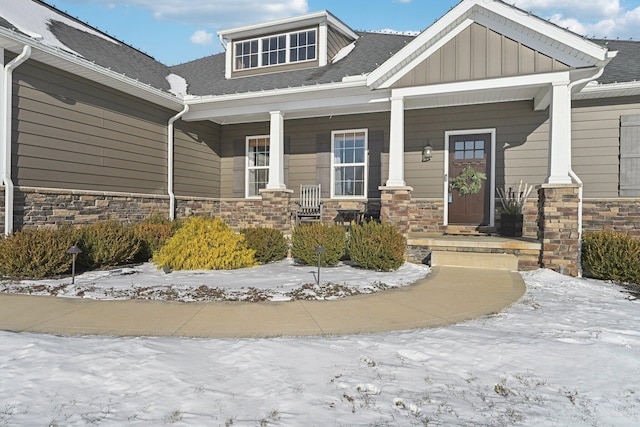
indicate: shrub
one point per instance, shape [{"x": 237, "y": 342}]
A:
[
  {"x": 36, "y": 253},
  {"x": 376, "y": 246},
  {"x": 268, "y": 243},
  {"x": 153, "y": 234},
  {"x": 106, "y": 244},
  {"x": 611, "y": 256},
  {"x": 205, "y": 244},
  {"x": 307, "y": 237}
]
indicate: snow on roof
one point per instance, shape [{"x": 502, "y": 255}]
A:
[
  {"x": 178, "y": 84},
  {"x": 34, "y": 19}
]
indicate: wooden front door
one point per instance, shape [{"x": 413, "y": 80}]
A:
[{"x": 473, "y": 151}]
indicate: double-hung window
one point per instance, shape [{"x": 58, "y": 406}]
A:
[
  {"x": 278, "y": 49},
  {"x": 257, "y": 164},
  {"x": 349, "y": 163}
]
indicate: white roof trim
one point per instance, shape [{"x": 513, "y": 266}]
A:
[
  {"x": 609, "y": 90},
  {"x": 81, "y": 67},
  {"x": 536, "y": 33},
  {"x": 286, "y": 24}
]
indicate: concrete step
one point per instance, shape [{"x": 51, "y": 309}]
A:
[{"x": 474, "y": 260}]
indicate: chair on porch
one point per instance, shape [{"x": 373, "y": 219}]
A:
[{"x": 310, "y": 204}]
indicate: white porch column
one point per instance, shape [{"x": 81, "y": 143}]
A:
[
  {"x": 396, "y": 144},
  {"x": 276, "y": 152},
  {"x": 560, "y": 134}
]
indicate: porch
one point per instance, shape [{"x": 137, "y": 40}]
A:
[{"x": 488, "y": 250}]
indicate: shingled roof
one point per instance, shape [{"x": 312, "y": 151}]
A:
[{"x": 206, "y": 76}]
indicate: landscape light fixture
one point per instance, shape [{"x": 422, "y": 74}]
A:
[
  {"x": 74, "y": 251},
  {"x": 319, "y": 251}
]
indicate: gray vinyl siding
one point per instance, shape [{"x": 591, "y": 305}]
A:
[
  {"x": 197, "y": 159},
  {"x": 478, "y": 53},
  {"x": 335, "y": 42},
  {"x": 596, "y": 143},
  {"x": 72, "y": 133},
  {"x": 521, "y": 143}
]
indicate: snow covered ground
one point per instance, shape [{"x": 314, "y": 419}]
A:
[
  {"x": 278, "y": 281},
  {"x": 567, "y": 354}
]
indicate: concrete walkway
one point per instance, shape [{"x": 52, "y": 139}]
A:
[{"x": 447, "y": 295}]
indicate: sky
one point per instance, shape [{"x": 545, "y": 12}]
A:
[{"x": 178, "y": 31}]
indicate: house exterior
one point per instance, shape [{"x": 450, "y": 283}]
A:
[{"x": 94, "y": 129}]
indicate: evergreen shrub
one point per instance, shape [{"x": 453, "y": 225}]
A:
[
  {"x": 107, "y": 244},
  {"x": 36, "y": 253},
  {"x": 611, "y": 256},
  {"x": 268, "y": 243},
  {"x": 376, "y": 246},
  {"x": 307, "y": 237},
  {"x": 205, "y": 244},
  {"x": 153, "y": 234}
]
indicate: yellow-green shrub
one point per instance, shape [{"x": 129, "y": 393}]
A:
[
  {"x": 611, "y": 256},
  {"x": 106, "y": 244},
  {"x": 268, "y": 243},
  {"x": 36, "y": 253},
  {"x": 307, "y": 237},
  {"x": 205, "y": 244},
  {"x": 376, "y": 246}
]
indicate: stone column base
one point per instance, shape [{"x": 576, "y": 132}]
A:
[
  {"x": 395, "y": 207},
  {"x": 558, "y": 227},
  {"x": 276, "y": 209}
]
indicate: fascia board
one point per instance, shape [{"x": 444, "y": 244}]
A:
[
  {"x": 540, "y": 35},
  {"x": 532, "y": 80},
  {"x": 544, "y": 28},
  {"x": 81, "y": 67},
  {"x": 439, "y": 28},
  {"x": 287, "y": 24},
  {"x": 609, "y": 90}
]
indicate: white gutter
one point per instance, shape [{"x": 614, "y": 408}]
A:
[
  {"x": 172, "y": 196},
  {"x": 577, "y": 179},
  {"x": 5, "y": 136}
]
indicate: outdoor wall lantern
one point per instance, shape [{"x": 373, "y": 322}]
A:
[
  {"x": 74, "y": 251},
  {"x": 427, "y": 152}
]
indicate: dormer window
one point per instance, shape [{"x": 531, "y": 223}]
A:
[{"x": 278, "y": 49}]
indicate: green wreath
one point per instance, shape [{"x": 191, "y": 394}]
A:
[{"x": 469, "y": 181}]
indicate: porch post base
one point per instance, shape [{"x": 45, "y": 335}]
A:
[
  {"x": 395, "y": 203},
  {"x": 276, "y": 209},
  {"x": 558, "y": 227}
]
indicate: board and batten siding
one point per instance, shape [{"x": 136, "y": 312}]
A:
[
  {"x": 71, "y": 133},
  {"x": 478, "y": 53},
  {"x": 596, "y": 143}
]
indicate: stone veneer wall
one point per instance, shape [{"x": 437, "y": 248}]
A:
[
  {"x": 395, "y": 207},
  {"x": 621, "y": 215},
  {"x": 273, "y": 209},
  {"x": 558, "y": 227},
  {"x": 426, "y": 215}
]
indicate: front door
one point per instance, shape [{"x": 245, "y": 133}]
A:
[{"x": 471, "y": 150}]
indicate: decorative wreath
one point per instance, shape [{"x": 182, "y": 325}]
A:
[{"x": 469, "y": 181}]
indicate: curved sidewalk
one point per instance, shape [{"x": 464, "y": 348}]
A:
[{"x": 447, "y": 295}]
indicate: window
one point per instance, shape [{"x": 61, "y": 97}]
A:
[
  {"x": 275, "y": 50},
  {"x": 349, "y": 164},
  {"x": 257, "y": 164},
  {"x": 469, "y": 150},
  {"x": 303, "y": 46}
]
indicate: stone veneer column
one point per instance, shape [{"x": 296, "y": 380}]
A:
[
  {"x": 276, "y": 209},
  {"x": 395, "y": 207},
  {"x": 558, "y": 227}
]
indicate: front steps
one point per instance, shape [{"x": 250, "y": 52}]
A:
[
  {"x": 481, "y": 251},
  {"x": 507, "y": 262}
]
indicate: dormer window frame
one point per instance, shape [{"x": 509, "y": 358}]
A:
[{"x": 242, "y": 58}]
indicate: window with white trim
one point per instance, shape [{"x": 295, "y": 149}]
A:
[
  {"x": 257, "y": 164},
  {"x": 276, "y": 49},
  {"x": 349, "y": 163}
]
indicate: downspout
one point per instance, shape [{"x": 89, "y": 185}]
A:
[
  {"x": 5, "y": 136},
  {"x": 172, "y": 196},
  {"x": 577, "y": 179}
]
